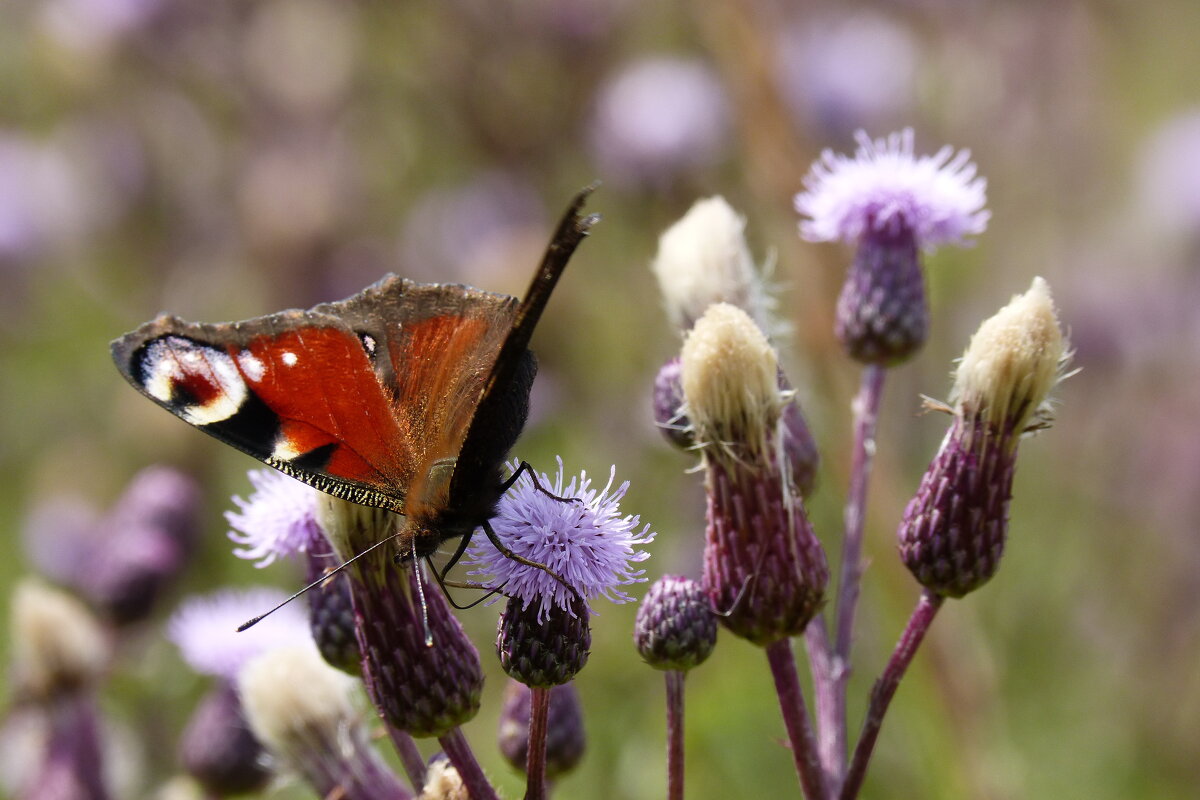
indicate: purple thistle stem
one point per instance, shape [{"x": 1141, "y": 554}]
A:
[
  {"x": 795, "y": 719},
  {"x": 535, "y": 759},
  {"x": 410, "y": 756},
  {"x": 675, "y": 680},
  {"x": 885, "y": 689},
  {"x": 833, "y": 727},
  {"x": 459, "y": 752}
]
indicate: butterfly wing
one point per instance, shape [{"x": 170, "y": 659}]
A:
[{"x": 355, "y": 397}]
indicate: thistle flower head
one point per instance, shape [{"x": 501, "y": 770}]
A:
[
  {"x": 278, "y": 519},
  {"x": 704, "y": 259},
  {"x": 675, "y": 627},
  {"x": 884, "y": 187},
  {"x": 730, "y": 384},
  {"x": 953, "y": 531},
  {"x": 58, "y": 645},
  {"x": 204, "y": 628},
  {"x": 301, "y": 709},
  {"x": 543, "y": 650},
  {"x": 218, "y": 749},
  {"x": 565, "y": 739},
  {"x": 1013, "y": 361},
  {"x": 584, "y": 539}
]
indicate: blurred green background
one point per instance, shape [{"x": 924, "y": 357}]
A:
[{"x": 223, "y": 159}]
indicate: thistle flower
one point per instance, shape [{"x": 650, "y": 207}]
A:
[
  {"x": 122, "y": 561},
  {"x": 420, "y": 689},
  {"x": 763, "y": 566},
  {"x": 59, "y": 655},
  {"x": 565, "y": 739},
  {"x": 891, "y": 205},
  {"x": 675, "y": 627},
  {"x": 704, "y": 259},
  {"x": 953, "y": 531},
  {"x": 280, "y": 519},
  {"x": 584, "y": 540},
  {"x": 217, "y": 747},
  {"x": 300, "y": 707}
]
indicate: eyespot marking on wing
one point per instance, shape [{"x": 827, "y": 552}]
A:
[{"x": 198, "y": 382}]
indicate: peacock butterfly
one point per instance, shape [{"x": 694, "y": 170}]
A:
[{"x": 406, "y": 396}]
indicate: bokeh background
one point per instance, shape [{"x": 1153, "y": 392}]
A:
[{"x": 222, "y": 159}]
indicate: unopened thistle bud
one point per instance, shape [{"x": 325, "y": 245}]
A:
[
  {"x": 565, "y": 739},
  {"x": 890, "y": 205},
  {"x": 704, "y": 259},
  {"x": 420, "y": 689},
  {"x": 300, "y": 708},
  {"x": 331, "y": 615},
  {"x": 953, "y": 531},
  {"x": 543, "y": 649},
  {"x": 675, "y": 627},
  {"x": 763, "y": 567},
  {"x": 218, "y": 749}
]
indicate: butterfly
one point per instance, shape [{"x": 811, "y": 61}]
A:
[{"x": 406, "y": 396}]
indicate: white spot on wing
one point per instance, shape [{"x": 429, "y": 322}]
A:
[
  {"x": 289, "y": 358},
  {"x": 251, "y": 365},
  {"x": 284, "y": 449},
  {"x": 173, "y": 361}
]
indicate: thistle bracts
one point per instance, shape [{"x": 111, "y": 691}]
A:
[
  {"x": 425, "y": 687},
  {"x": 543, "y": 649},
  {"x": 331, "y": 615},
  {"x": 675, "y": 627},
  {"x": 953, "y": 531},
  {"x": 217, "y": 748},
  {"x": 764, "y": 569},
  {"x": 882, "y": 314}
]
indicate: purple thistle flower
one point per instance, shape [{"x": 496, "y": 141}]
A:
[
  {"x": 891, "y": 205},
  {"x": 675, "y": 627},
  {"x": 586, "y": 541},
  {"x": 204, "y": 628},
  {"x": 939, "y": 197},
  {"x": 953, "y": 531},
  {"x": 278, "y": 519}
]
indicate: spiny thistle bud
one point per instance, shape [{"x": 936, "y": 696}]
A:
[
  {"x": 953, "y": 531},
  {"x": 763, "y": 566},
  {"x": 890, "y": 205},
  {"x": 420, "y": 689},
  {"x": 300, "y": 708},
  {"x": 218, "y": 749},
  {"x": 331, "y": 616},
  {"x": 543, "y": 649},
  {"x": 675, "y": 627},
  {"x": 58, "y": 646},
  {"x": 704, "y": 259},
  {"x": 565, "y": 740},
  {"x": 669, "y": 414}
]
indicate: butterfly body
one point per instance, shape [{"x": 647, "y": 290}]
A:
[{"x": 406, "y": 396}]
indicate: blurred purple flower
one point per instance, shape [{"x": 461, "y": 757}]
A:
[
  {"x": 884, "y": 186},
  {"x": 587, "y": 542},
  {"x": 657, "y": 117},
  {"x": 1169, "y": 174},
  {"x": 89, "y": 25},
  {"x": 278, "y": 519},
  {"x": 848, "y": 73},
  {"x": 204, "y": 628}
]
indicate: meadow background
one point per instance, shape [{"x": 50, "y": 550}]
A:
[{"x": 223, "y": 159}]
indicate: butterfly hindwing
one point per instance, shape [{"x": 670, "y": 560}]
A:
[{"x": 354, "y": 398}]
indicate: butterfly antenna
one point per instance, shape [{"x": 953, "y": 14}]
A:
[
  {"x": 421, "y": 595},
  {"x": 251, "y": 623}
]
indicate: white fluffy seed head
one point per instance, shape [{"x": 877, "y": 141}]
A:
[
  {"x": 704, "y": 259},
  {"x": 730, "y": 383},
  {"x": 442, "y": 782},
  {"x": 1013, "y": 361},
  {"x": 58, "y": 645},
  {"x": 295, "y": 703}
]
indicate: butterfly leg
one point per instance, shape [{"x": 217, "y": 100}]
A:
[
  {"x": 525, "y": 466},
  {"x": 507, "y": 553},
  {"x": 459, "y": 552}
]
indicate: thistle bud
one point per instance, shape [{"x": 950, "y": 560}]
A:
[
  {"x": 953, "y": 531},
  {"x": 675, "y": 627},
  {"x": 218, "y": 749},
  {"x": 565, "y": 740},
  {"x": 420, "y": 689},
  {"x": 543, "y": 648},
  {"x": 300, "y": 708},
  {"x": 331, "y": 616},
  {"x": 763, "y": 567},
  {"x": 704, "y": 259}
]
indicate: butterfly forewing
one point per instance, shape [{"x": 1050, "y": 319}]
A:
[{"x": 356, "y": 398}]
